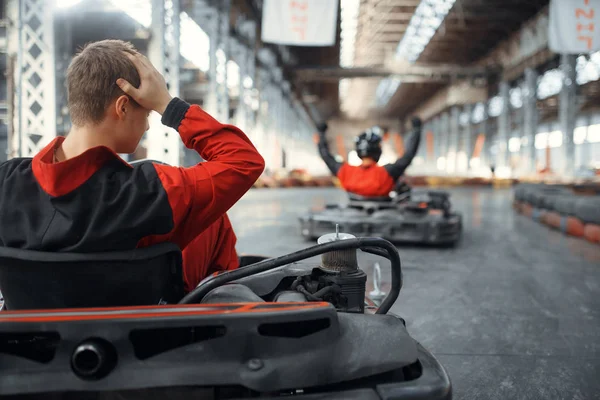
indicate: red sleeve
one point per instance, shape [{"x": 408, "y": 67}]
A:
[
  {"x": 210, "y": 252},
  {"x": 342, "y": 174},
  {"x": 199, "y": 195}
]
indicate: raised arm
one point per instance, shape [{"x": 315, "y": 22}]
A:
[
  {"x": 396, "y": 170},
  {"x": 333, "y": 165}
]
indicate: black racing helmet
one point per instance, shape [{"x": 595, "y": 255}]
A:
[{"x": 368, "y": 143}]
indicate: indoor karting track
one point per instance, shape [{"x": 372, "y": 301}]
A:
[{"x": 513, "y": 312}]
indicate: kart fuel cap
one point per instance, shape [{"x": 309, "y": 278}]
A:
[{"x": 338, "y": 260}]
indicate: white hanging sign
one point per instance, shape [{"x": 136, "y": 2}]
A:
[
  {"x": 300, "y": 22},
  {"x": 574, "y": 26}
]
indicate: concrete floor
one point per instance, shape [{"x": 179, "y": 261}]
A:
[{"x": 513, "y": 312}]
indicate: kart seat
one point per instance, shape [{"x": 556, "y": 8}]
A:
[{"x": 41, "y": 280}]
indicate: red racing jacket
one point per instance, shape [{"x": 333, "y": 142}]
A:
[{"x": 97, "y": 202}]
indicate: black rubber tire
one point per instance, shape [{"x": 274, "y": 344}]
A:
[
  {"x": 530, "y": 193},
  {"x": 587, "y": 209},
  {"x": 523, "y": 189},
  {"x": 540, "y": 198},
  {"x": 565, "y": 205}
]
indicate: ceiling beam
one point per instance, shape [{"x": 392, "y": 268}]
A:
[{"x": 421, "y": 72}]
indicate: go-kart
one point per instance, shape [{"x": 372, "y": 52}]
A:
[
  {"x": 403, "y": 217},
  {"x": 275, "y": 328}
]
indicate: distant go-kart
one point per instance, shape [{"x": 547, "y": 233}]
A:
[{"x": 403, "y": 217}]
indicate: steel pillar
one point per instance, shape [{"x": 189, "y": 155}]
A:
[
  {"x": 431, "y": 160},
  {"x": 530, "y": 120},
  {"x": 436, "y": 142},
  {"x": 568, "y": 111},
  {"x": 444, "y": 138},
  {"x": 265, "y": 142},
  {"x": 468, "y": 137},
  {"x": 238, "y": 54},
  {"x": 31, "y": 39},
  {"x": 163, "y": 143},
  {"x": 211, "y": 16},
  {"x": 503, "y": 127},
  {"x": 487, "y": 156},
  {"x": 222, "y": 55},
  {"x": 217, "y": 23},
  {"x": 454, "y": 139},
  {"x": 246, "y": 59}
]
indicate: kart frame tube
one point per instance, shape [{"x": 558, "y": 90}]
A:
[{"x": 368, "y": 245}]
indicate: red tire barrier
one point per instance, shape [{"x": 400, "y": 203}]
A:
[
  {"x": 592, "y": 233},
  {"x": 538, "y": 215},
  {"x": 518, "y": 206},
  {"x": 574, "y": 227},
  {"x": 527, "y": 209},
  {"x": 553, "y": 219}
]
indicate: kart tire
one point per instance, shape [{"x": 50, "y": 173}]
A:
[
  {"x": 552, "y": 219},
  {"x": 587, "y": 209},
  {"x": 574, "y": 227}
]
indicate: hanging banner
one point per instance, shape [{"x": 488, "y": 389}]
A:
[
  {"x": 574, "y": 26},
  {"x": 299, "y": 22}
]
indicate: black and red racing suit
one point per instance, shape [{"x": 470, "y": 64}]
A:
[{"x": 97, "y": 202}]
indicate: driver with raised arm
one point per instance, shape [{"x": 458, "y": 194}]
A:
[
  {"x": 78, "y": 195},
  {"x": 370, "y": 179}
]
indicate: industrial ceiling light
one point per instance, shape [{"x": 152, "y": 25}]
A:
[
  {"x": 194, "y": 43},
  {"x": 427, "y": 18},
  {"x": 478, "y": 113},
  {"x": 386, "y": 89},
  {"x": 349, "y": 23},
  {"x": 139, "y": 10},
  {"x": 516, "y": 97},
  {"x": 495, "y": 106},
  {"x": 588, "y": 70},
  {"x": 550, "y": 83}
]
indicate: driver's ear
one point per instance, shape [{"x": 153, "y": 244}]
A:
[{"x": 122, "y": 106}]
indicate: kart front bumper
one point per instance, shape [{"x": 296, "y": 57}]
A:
[
  {"x": 426, "y": 231},
  {"x": 433, "y": 384}
]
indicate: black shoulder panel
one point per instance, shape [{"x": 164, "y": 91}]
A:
[{"x": 113, "y": 210}]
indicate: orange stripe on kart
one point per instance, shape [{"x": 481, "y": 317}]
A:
[{"x": 130, "y": 312}]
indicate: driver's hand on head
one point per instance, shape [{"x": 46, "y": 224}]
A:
[{"x": 152, "y": 93}]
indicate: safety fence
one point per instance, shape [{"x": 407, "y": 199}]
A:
[{"x": 572, "y": 209}]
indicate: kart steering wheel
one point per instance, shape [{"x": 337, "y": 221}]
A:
[{"x": 377, "y": 246}]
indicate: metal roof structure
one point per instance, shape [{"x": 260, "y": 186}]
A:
[{"x": 391, "y": 34}]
